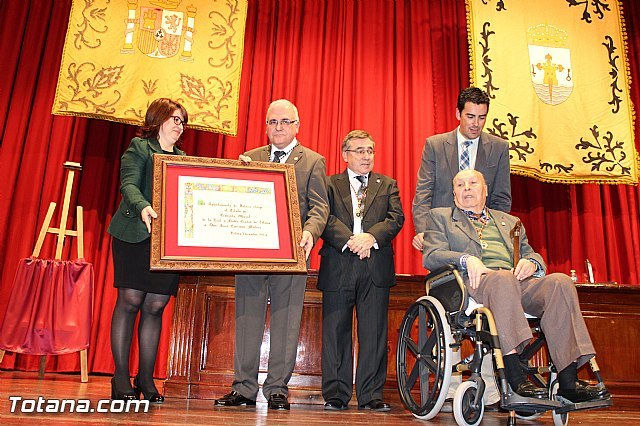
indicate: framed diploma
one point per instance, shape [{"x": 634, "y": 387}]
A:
[{"x": 222, "y": 215}]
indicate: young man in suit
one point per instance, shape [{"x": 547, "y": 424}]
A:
[
  {"x": 477, "y": 240},
  {"x": 283, "y": 293},
  {"x": 466, "y": 147},
  {"x": 357, "y": 270}
]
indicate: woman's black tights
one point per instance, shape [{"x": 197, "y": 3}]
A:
[{"x": 151, "y": 306}]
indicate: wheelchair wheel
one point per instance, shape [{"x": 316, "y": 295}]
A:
[
  {"x": 561, "y": 419},
  {"x": 463, "y": 411},
  {"x": 423, "y": 358}
]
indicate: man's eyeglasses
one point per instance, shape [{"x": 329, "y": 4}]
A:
[
  {"x": 360, "y": 152},
  {"x": 177, "y": 120},
  {"x": 285, "y": 122}
]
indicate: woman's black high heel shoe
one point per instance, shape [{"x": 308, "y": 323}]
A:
[
  {"x": 153, "y": 396},
  {"x": 117, "y": 395}
]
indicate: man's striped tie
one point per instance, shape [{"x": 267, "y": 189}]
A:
[{"x": 464, "y": 158}]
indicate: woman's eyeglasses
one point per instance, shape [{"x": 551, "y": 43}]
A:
[{"x": 178, "y": 121}]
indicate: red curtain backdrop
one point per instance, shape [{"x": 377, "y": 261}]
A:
[{"x": 393, "y": 68}]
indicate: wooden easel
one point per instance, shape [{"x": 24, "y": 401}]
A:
[{"x": 63, "y": 232}]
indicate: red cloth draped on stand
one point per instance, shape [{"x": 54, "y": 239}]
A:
[{"x": 49, "y": 310}]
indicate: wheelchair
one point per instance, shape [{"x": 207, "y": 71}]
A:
[{"x": 435, "y": 326}]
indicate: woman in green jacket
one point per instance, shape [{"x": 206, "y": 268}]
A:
[{"x": 140, "y": 290}]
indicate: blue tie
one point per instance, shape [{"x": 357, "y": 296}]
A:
[{"x": 464, "y": 158}]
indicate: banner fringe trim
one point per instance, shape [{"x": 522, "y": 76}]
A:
[
  {"x": 571, "y": 181},
  {"x": 472, "y": 51},
  {"x": 632, "y": 109}
]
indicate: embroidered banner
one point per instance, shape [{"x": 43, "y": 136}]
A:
[
  {"x": 557, "y": 75},
  {"x": 121, "y": 55}
]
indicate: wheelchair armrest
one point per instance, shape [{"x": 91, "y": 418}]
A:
[
  {"x": 446, "y": 285},
  {"x": 440, "y": 270}
]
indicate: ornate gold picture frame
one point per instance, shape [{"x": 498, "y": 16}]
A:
[{"x": 223, "y": 215}]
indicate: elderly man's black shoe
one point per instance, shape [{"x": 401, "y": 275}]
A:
[
  {"x": 234, "y": 399},
  {"x": 376, "y": 405},
  {"x": 529, "y": 390},
  {"x": 584, "y": 393},
  {"x": 335, "y": 404},
  {"x": 278, "y": 401}
]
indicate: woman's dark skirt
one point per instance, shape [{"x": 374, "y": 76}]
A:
[{"x": 131, "y": 269}]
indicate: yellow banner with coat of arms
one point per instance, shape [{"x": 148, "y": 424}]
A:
[
  {"x": 120, "y": 55},
  {"x": 557, "y": 75}
]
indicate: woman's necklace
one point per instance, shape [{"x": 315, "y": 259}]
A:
[{"x": 361, "y": 194}]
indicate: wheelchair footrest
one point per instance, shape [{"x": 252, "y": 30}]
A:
[
  {"x": 529, "y": 405},
  {"x": 568, "y": 406}
]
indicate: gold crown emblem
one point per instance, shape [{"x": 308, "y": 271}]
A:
[
  {"x": 166, "y": 4},
  {"x": 547, "y": 35}
]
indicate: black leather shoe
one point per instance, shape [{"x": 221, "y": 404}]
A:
[
  {"x": 529, "y": 390},
  {"x": 584, "y": 392},
  {"x": 376, "y": 405},
  {"x": 118, "y": 395},
  {"x": 278, "y": 401},
  {"x": 233, "y": 399},
  {"x": 335, "y": 404},
  {"x": 152, "y": 396}
]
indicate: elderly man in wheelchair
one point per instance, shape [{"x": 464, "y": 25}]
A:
[{"x": 471, "y": 253}]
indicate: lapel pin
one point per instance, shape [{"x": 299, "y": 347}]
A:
[
  {"x": 504, "y": 224},
  {"x": 378, "y": 180},
  {"x": 295, "y": 158}
]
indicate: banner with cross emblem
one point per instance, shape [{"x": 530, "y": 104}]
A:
[
  {"x": 120, "y": 56},
  {"x": 558, "y": 78}
]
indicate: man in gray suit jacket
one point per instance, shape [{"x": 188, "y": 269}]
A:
[
  {"x": 477, "y": 240},
  {"x": 283, "y": 293},
  {"x": 466, "y": 147},
  {"x": 357, "y": 271}
]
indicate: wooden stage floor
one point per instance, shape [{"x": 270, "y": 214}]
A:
[{"x": 196, "y": 412}]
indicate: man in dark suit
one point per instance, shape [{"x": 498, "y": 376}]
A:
[
  {"x": 477, "y": 240},
  {"x": 283, "y": 293},
  {"x": 357, "y": 270},
  {"x": 466, "y": 147}
]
